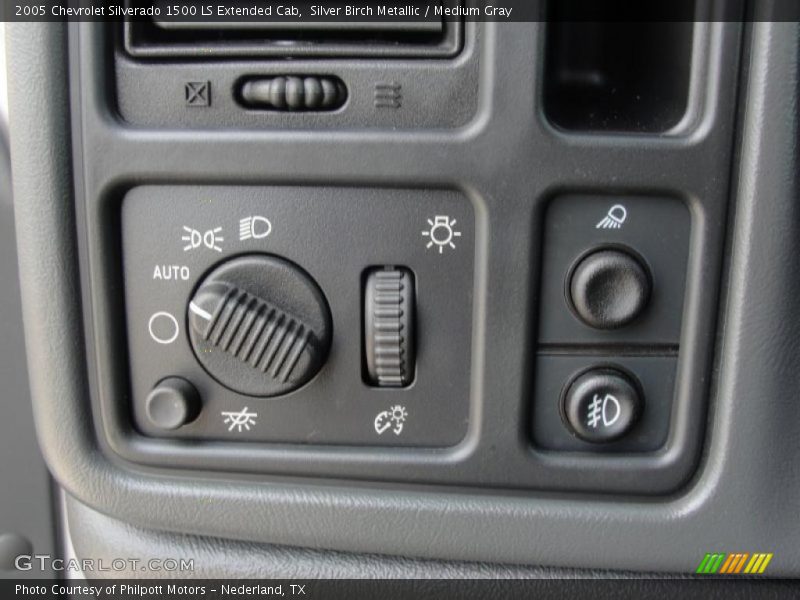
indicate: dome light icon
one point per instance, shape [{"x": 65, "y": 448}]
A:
[{"x": 441, "y": 233}]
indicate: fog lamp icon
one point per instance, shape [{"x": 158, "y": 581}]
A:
[{"x": 603, "y": 410}]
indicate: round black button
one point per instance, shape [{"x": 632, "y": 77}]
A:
[
  {"x": 601, "y": 405},
  {"x": 609, "y": 289},
  {"x": 172, "y": 403}
]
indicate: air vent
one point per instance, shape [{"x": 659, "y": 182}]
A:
[{"x": 163, "y": 37}]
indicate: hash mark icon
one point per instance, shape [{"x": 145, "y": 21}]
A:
[{"x": 388, "y": 95}]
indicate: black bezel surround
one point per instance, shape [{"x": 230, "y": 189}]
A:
[{"x": 509, "y": 162}]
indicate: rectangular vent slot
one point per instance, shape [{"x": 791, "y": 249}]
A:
[
  {"x": 610, "y": 76},
  {"x": 161, "y": 37}
]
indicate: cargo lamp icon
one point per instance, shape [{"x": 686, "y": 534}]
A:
[{"x": 614, "y": 219}]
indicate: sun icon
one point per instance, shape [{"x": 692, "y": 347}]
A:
[
  {"x": 441, "y": 232},
  {"x": 399, "y": 414}
]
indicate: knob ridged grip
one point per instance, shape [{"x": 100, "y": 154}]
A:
[
  {"x": 294, "y": 93},
  {"x": 389, "y": 327},
  {"x": 259, "y": 325},
  {"x": 252, "y": 330}
]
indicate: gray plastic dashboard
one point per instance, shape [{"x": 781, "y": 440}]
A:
[{"x": 645, "y": 511}]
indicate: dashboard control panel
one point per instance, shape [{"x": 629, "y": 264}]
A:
[
  {"x": 343, "y": 316},
  {"x": 299, "y": 315},
  {"x": 367, "y": 272},
  {"x": 613, "y": 283}
]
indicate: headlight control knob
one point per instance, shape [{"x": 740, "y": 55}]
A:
[{"x": 259, "y": 325}]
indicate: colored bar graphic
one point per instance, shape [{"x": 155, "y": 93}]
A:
[
  {"x": 701, "y": 568},
  {"x": 711, "y": 563},
  {"x": 733, "y": 563},
  {"x": 732, "y": 558},
  {"x": 758, "y": 563},
  {"x": 741, "y": 562},
  {"x": 729, "y": 563}
]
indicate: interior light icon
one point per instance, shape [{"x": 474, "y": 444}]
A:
[{"x": 441, "y": 233}]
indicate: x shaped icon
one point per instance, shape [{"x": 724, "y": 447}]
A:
[{"x": 198, "y": 93}]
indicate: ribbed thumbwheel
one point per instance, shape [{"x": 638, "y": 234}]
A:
[
  {"x": 259, "y": 325},
  {"x": 389, "y": 327},
  {"x": 294, "y": 93}
]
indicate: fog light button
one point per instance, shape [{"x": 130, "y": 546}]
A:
[{"x": 602, "y": 405}]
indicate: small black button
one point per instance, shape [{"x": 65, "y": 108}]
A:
[
  {"x": 602, "y": 405},
  {"x": 172, "y": 403},
  {"x": 609, "y": 289}
]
